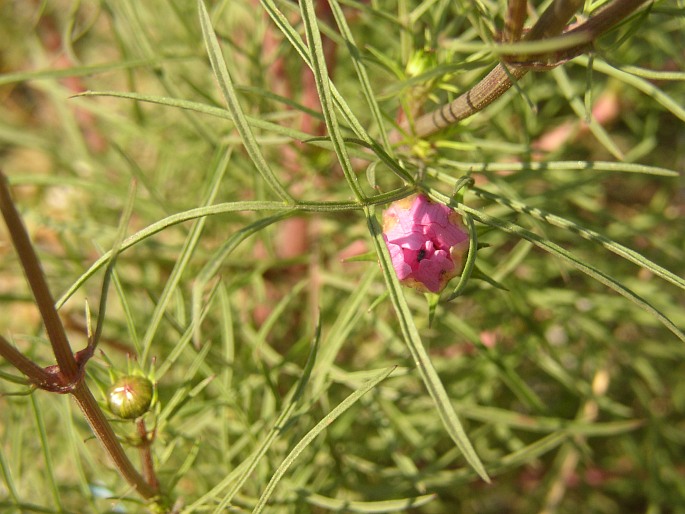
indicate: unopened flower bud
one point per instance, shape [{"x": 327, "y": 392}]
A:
[
  {"x": 420, "y": 62},
  {"x": 130, "y": 396},
  {"x": 427, "y": 242}
]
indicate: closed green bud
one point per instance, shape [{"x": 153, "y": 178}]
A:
[
  {"x": 130, "y": 396},
  {"x": 420, "y": 62}
]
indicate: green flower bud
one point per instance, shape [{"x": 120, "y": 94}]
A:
[
  {"x": 420, "y": 62},
  {"x": 130, "y": 396}
]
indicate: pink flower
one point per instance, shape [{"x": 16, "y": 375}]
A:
[{"x": 426, "y": 241}]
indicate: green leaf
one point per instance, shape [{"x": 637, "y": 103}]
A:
[
  {"x": 313, "y": 433},
  {"x": 578, "y": 107},
  {"x": 586, "y": 233},
  {"x": 283, "y": 419},
  {"x": 323, "y": 88},
  {"x": 295, "y": 40},
  {"x": 370, "y": 507},
  {"x": 568, "y": 257},
  {"x": 189, "y": 246},
  {"x": 211, "y": 268},
  {"x": 587, "y": 166},
  {"x": 675, "y": 107},
  {"x": 470, "y": 260},
  {"x": 360, "y": 69},
  {"x": 223, "y": 77},
  {"x": 412, "y": 338},
  {"x": 83, "y": 71}
]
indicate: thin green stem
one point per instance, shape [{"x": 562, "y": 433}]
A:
[
  {"x": 47, "y": 456},
  {"x": 323, "y": 88},
  {"x": 121, "y": 232},
  {"x": 174, "y": 219},
  {"x": 227, "y": 88}
]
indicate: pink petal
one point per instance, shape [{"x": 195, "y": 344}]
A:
[
  {"x": 448, "y": 236},
  {"x": 421, "y": 237},
  {"x": 411, "y": 241},
  {"x": 411, "y": 258},
  {"x": 404, "y": 220},
  {"x": 440, "y": 215},
  {"x": 431, "y": 271},
  {"x": 402, "y": 269},
  {"x": 420, "y": 210},
  {"x": 425, "y": 212}
]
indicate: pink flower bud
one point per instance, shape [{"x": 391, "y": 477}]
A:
[{"x": 426, "y": 241}]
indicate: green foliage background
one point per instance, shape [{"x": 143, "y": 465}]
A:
[{"x": 570, "y": 392}]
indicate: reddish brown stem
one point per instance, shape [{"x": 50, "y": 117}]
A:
[
  {"x": 554, "y": 19},
  {"x": 103, "y": 431},
  {"x": 607, "y": 18},
  {"x": 36, "y": 375},
  {"x": 36, "y": 279},
  {"x": 146, "y": 455},
  {"x": 513, "y": 24},
  {"x": 68, "y": 375}
]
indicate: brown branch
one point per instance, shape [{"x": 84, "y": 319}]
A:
[
  {"x": 607, "y": 18},
  {"x": 499, "y": 80},
  {"x": 103, "y": 431},
  {"x": 36, "y": 375},
  {"x": 68, "y": 376},
  {"x": 39, "y": 287},
  {"x": 513, "y": 24},
  {"x": 553, "y": 21},
  {"x": 146, "y": 455}
]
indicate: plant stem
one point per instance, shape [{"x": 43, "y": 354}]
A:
[
  {"x": 499, "y": 80},
  {"x": 36, "y": 279},
  {"x": 103, "y": 431},
  {"x": 36, "y": 375},
  {"x": 146, "y": 455},
  {"x": 69, "y": 374},
  {"x": 554, "y": 19},
  {"x": 513, "y": 24},
  {"x": 489, "y": 89},
  {"x": 607, "y": 18}
]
